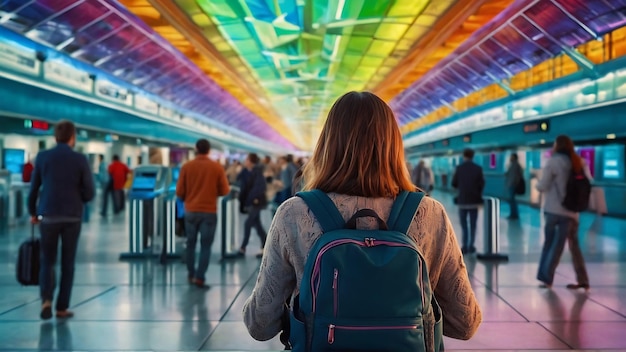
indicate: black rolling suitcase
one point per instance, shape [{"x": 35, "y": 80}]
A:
[{"x": 27, "y": 268}]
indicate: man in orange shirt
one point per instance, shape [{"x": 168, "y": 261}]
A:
[
  {"x": 119, "y": 174},
  {"x": 200, "y": 183}
]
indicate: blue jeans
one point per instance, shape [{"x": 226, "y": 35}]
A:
[
  {"x": 253, "y": 220},
  {"x": 558, "y": 229},
  {"x": 513, "y": 203},
  {"x": 469, "y": 232},
  {"x": 50, "y": 234},
  {"x": 205, "y": 223}
]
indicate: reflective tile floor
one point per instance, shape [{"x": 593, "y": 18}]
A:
[{"x": 142, "y": 305}]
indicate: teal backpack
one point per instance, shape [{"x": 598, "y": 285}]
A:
[{"x": 363, "y": 290}]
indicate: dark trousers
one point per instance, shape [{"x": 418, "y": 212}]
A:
[
  {"x": 253, "y": 220},
  {"x": 513, "y": 203},
  {"x": 118, "y": 200},
  {"x": 558, "y": 230},
  {"x": 50, "y": 235},
  {"x": 469, "y": 230},
  {"x": 107, "y": 191},
  {"x": 205, "y": 223}
]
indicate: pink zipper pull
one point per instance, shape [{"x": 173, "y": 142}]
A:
[
  {"x": 331, "y": 334},
  {"x": 335, "y": 275}
]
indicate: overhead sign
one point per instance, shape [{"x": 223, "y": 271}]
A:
[
  {"x": 144, "y": 103},
  {"x": 167, "y": 112},
  {"x": 539, "y": 126},
  {"x": 36, "y": 125},
  {"x": 113, "y": 92},
  {"x": 18, "y": 59},
  {"x": 66, "y": 75}
]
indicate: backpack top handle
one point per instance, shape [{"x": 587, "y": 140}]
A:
[{"x": 351, "y": 224}]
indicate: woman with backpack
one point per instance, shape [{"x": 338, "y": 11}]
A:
[
  {"x": 561, "y": 211},
  {"x": 359, "y": 164}
]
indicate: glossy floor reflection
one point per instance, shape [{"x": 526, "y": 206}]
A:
[{"x": 144, "y": 306}]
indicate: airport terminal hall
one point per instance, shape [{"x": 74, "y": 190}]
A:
[{"x": 312, "y": 175}]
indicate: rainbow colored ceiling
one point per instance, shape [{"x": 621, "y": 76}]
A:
[
  {"x": 271, "y": 69},
  {"x": 288, "y": 60}
]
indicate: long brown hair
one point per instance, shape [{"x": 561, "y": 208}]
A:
[
  {"x": 359, "y": 151},
  {"x": 564, "y": 144}
]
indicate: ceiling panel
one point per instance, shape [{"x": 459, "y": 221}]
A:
[{"x": 524, "y": 35}]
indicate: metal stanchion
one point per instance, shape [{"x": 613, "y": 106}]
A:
[
  {"x": 142, "y": 214},
  {"x": 492, "y": 230},
  {"x": 168, "y": 229}
]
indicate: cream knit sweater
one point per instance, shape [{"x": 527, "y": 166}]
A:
[{"x": 294, "y": 230}]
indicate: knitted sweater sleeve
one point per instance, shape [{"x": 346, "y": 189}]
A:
[
  {"x": 263, "y": 310},
  {"x": 447, "y": 272}
]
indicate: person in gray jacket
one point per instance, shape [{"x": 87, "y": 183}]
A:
[
  {"x": 514, "y": 175},
  {"x": 560, "y": 224}
]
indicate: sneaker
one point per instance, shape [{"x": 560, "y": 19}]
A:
[
  {"x": 200, "y": 283},
  {"x": 46, "y": 310},
  {"x": 64, "y": 314},
  {"x": 545, "y": 285},
  {"x": 577, "y": 286},
  {"x": 241, "y": 253}
]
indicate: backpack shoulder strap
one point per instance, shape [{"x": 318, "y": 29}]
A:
[
  {"x": 324, "y": 209},
  {"x": 403, "y": 210}
]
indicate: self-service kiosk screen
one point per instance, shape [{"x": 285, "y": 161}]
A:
[
  {"x": 13, "y": 160},
  {"x": 145, "y": 181}
]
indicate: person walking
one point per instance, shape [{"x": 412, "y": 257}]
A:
[
  {"x": 423, "y": 177},
  {"x": 253, "y": 196},
  {"x": 62, "y": 183},
  {"x": 118, "y": 172},
  {"x": 469, "y": 180},
  {"x": 513, "y": 176},
  {"x": 106, "y": 185},
  {"x": 561, "y": 224},
  {"x": 200, "y": 183}
]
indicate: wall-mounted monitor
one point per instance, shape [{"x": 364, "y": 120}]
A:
[{"x": 13, "y": 160}]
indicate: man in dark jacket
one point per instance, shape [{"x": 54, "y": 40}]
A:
[
  {"x": 468, "y": 179},
  {"x": 67, "y": 185},
  {"x": 253, "y": 195},
  {"x": 514, "y": 175}
]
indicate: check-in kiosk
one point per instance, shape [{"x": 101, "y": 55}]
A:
[
  {"x": 145, "y": 199},
  {"x": 18, "y": 200}
]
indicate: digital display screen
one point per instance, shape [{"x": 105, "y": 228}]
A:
[
  {"x": 145, "y": 181},
  {"x": 175, "y": 174},
  {"x": 613, "y": 162},
  {"x": 13, "y": 160},
  {"x": 588, "y": 155}
]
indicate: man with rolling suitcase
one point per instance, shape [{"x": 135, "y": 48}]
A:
[{"x": 62, "y": 183}]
